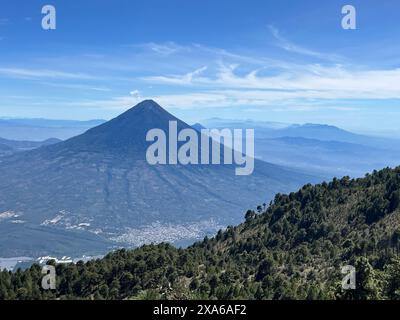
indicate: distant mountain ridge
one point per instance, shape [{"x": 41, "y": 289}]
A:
[
  {"x": 8, "y": 147},
  {"x": 327, "y": 151},
  {"x": 43, "y": 122},
  {"x": 324, "y": 149},
  {"x": 27, "y": 145},
  {"x": 324, "y": 132},
  {"x": 43, "y": 129}
]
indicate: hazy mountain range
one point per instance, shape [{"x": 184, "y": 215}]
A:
[
  {"x": 96, "y": 191},
  {"x": 324, "y": 149},
  {"x": 43, "y": 129},
  {"x": 8, "y": 147}
]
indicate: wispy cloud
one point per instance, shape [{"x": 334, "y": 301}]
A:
[
  {"x": 222, "y": 54},
  {"x": 77, "y": 86},
  {"x": 42, "y": 73},
  {"x": 220, "y": 78},
  {"x": 164, "y": 49},
  {"x": 298, "y": 91},
  {"x": 135, "y": 94},
  {"x": 309, "y": 81},
  {"x": 185, "y": 79},
  {"x": 289, "y": 46},
  {"x": 188, "y": 100}
]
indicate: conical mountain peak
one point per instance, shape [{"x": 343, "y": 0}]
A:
[
  {"x": 145, "y": 112},
  {"x": 127, "y": 132},
  {"x": 148, "y": 105}
]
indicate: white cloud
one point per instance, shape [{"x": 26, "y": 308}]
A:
[
  {"x": 306, "y": 88},
  {"x": 189, "y": 100},
  {"x": 305, "y": 82},
  {"x": 289, "y": 46},
  {"x": 135, "y": 94},
  {"x": 222, "y": 54},
  {"x": 76, "y": 86},
  {"x": 165, "y": 49},
  {"x": 41, "y": 73},
  {"x": 222, "y": 79},
  {"x": 185, "y": 79}
]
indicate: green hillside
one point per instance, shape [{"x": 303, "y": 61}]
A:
[{"x": 293, "y": 248}]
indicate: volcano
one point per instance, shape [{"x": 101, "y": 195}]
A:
[{"x": 96, "y": 191}]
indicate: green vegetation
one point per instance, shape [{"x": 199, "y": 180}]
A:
[{"x": 292, "y": 249}]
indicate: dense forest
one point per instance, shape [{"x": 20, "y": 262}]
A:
[{"x": 293, "y": 248}]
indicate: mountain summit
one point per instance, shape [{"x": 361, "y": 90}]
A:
[
  {"x": 126, "y": 133},
  {"x": 96, "y": 191}
]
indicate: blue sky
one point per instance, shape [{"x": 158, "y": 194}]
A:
[{"x": 287, "y": 61}]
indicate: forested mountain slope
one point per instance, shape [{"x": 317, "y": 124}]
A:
[{"x": 292, "y": 249}]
